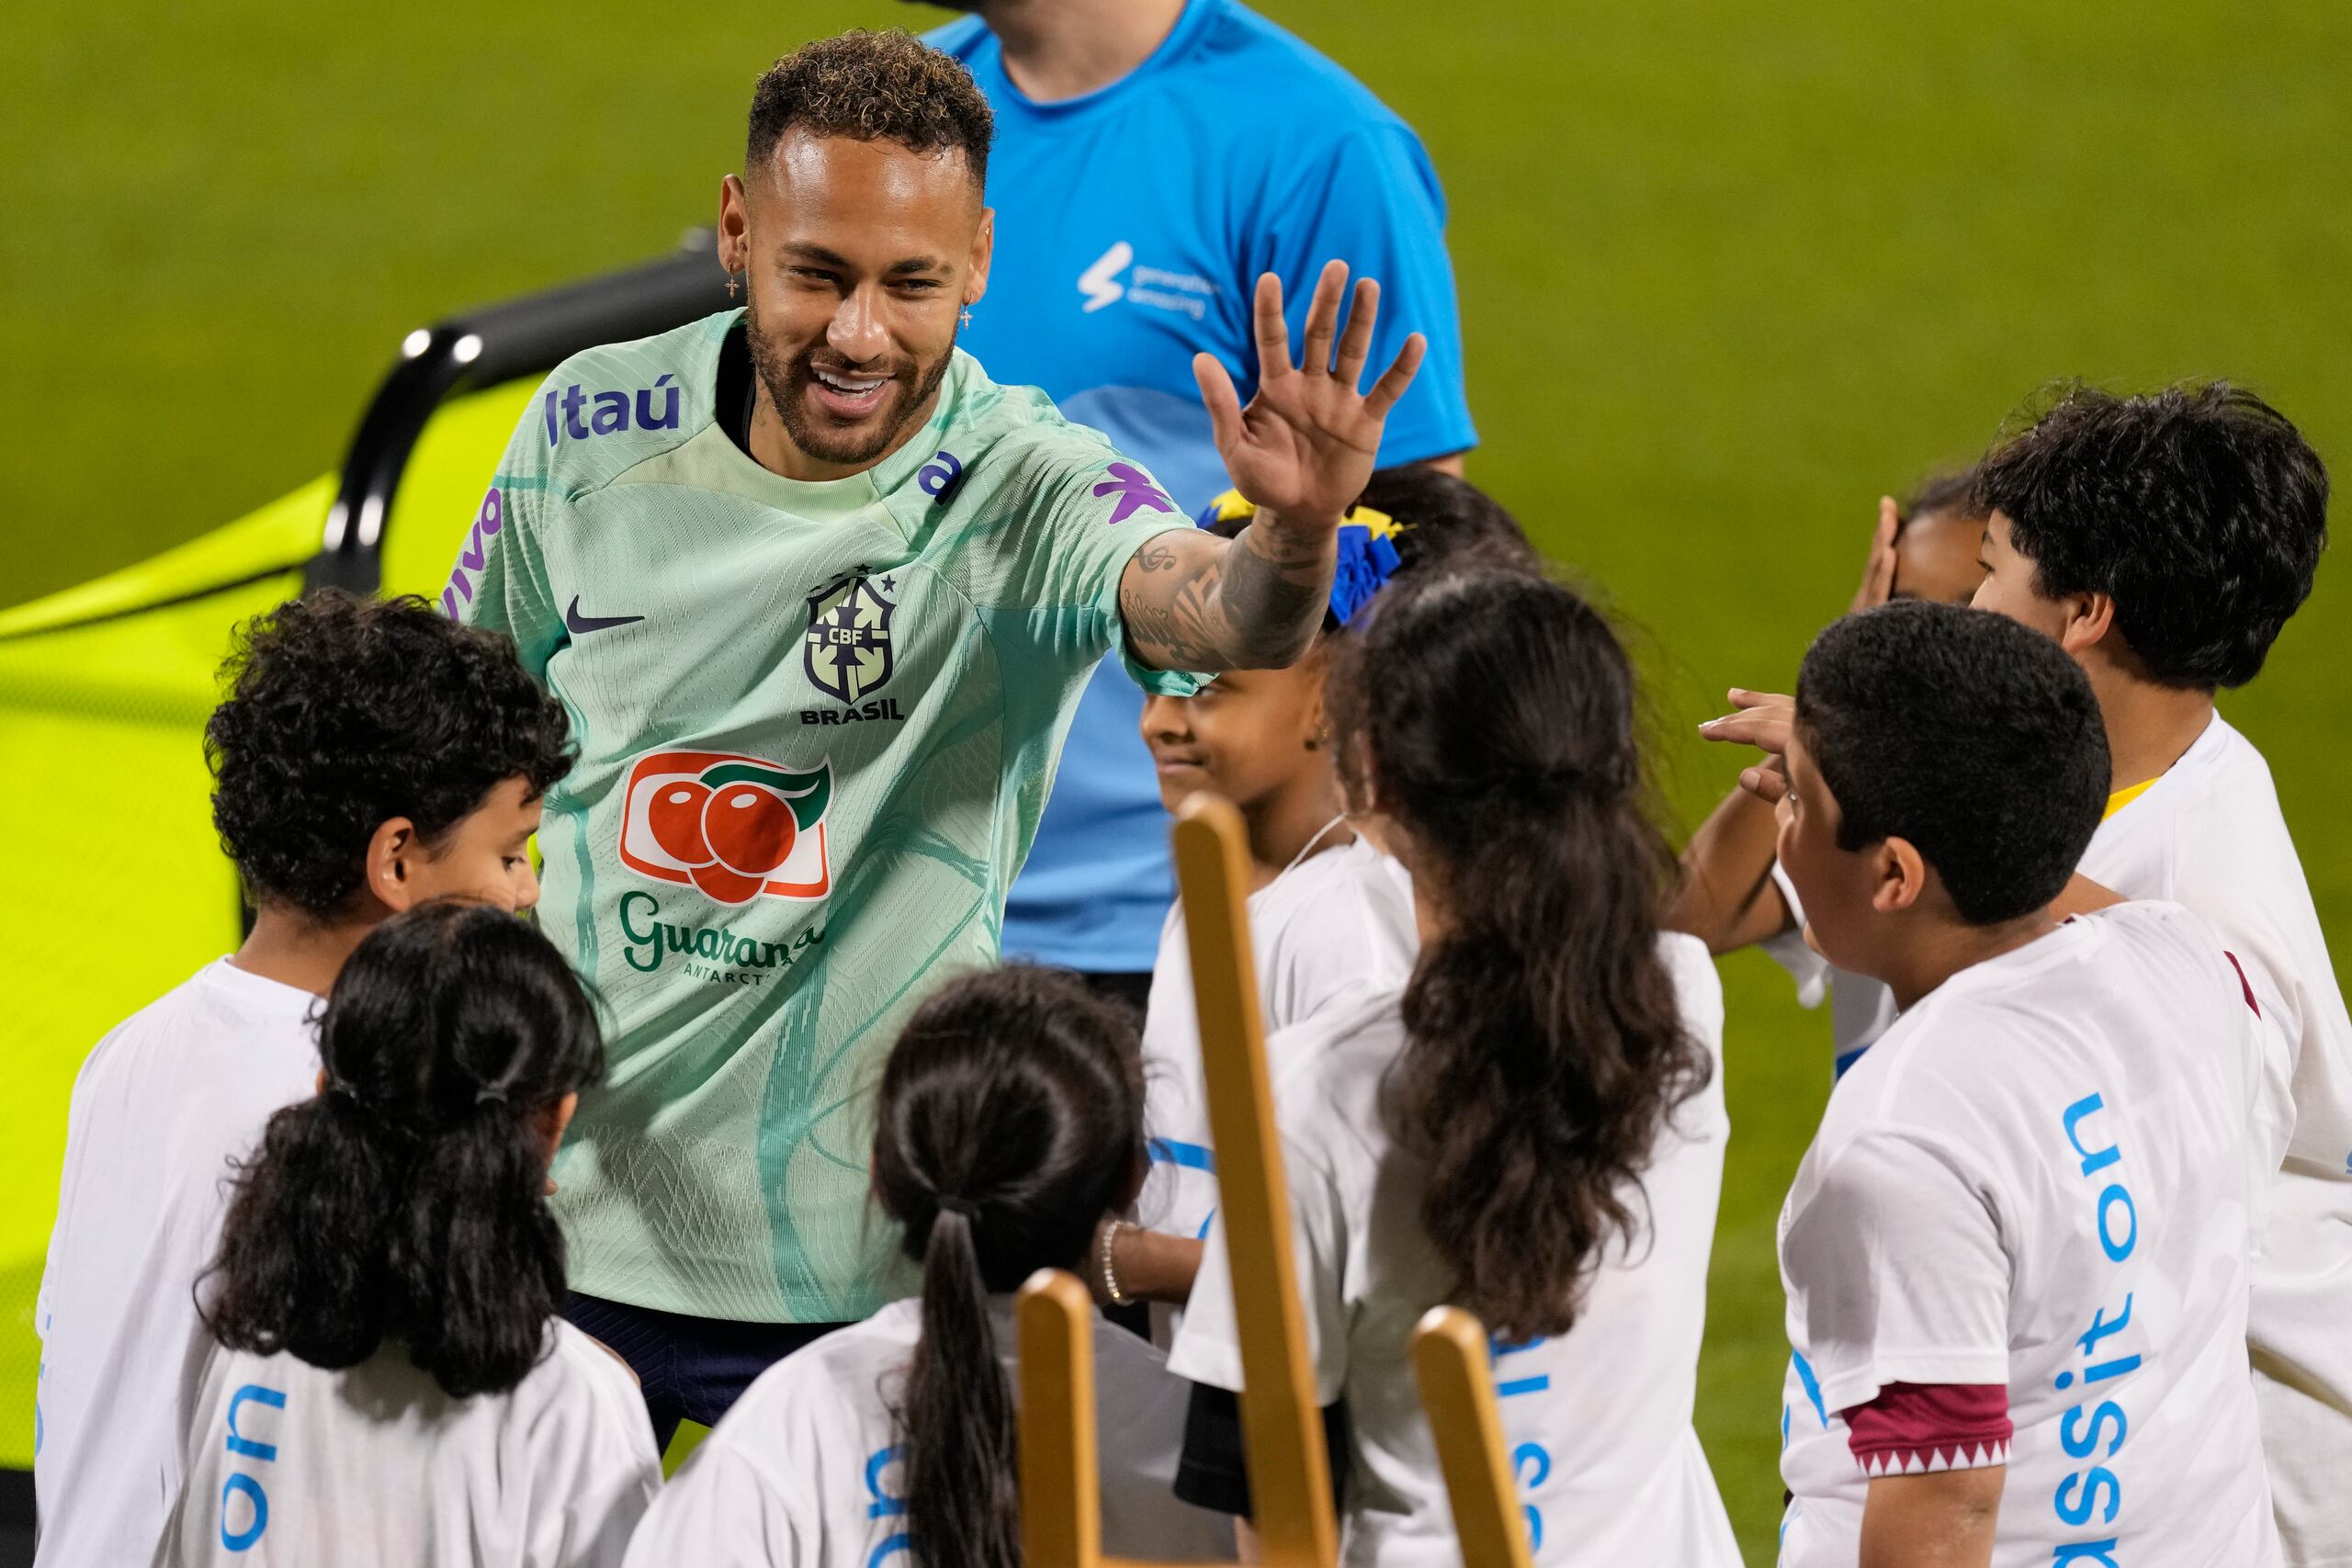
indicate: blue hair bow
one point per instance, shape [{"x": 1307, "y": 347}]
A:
[
  {"x": 1368, "y": 557},
  {"x": 1367, "y": 560}
]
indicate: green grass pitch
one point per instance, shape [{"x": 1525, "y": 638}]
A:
[{"x": 1727, "y": 273}]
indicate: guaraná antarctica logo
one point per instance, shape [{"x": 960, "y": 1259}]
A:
[
  {"x": 735, "y": 828},
  {"x": 847, "y": 650}
]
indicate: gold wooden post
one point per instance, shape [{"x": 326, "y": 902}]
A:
[
  {"x": 1290, "y": 1484},
  {"x": 1450, "y": 1360},
  {"x": 1061, "y": 1503}
]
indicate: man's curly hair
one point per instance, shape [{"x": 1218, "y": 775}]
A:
[
  {"x": 873, "y": 87},
  {"x": 343, "y": 713}
]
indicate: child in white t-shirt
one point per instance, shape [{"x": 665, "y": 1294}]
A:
[
  {"x": 370, "y": 755},
  {"x": 1329, "y": 911},
  {"x": 1531, "y": 1127},
  {"x": 1009, "y": 1119},
  {"x": 392, "y": 1384},
  {"x": 2018, "y": 1253},
  {"x": 2164, "y": 541}
]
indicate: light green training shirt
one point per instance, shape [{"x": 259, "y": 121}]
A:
[{"x": 816, "y": 724}]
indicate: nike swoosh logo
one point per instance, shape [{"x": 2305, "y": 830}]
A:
[
  {"x": 1098, "y": 282},
  {"x": 576, "y": 622}
]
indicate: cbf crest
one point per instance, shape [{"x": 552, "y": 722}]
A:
[{"x": 847, "y": 652}]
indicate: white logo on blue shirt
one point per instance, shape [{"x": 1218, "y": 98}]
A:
[
  {"x": 1100, "y": 282},
  {"x": 1157, "y": 287}
]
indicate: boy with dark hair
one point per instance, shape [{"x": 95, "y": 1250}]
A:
[
  {"x": 369, "y": 757},
  {"x": 2016, "y": 1255},
  {"x": 2164, "y": 541},
  {"x": 2194, "y": 514}
]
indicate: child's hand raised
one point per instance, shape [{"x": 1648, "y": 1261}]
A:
[{"x": 1762, "y": 720}]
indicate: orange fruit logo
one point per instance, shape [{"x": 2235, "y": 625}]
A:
[{"x": 735, "y": 828}]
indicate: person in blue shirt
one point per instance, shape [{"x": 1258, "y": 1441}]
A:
[{"x": 1153, "y": 157}]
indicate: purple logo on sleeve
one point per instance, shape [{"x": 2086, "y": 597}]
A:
[
  {"x": 1135, "y": 489},
  {"x": 474, "y": 554}
]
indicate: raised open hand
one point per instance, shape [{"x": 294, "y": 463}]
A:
[
  {"x": 1762, "y": 720},
  {"x": 1304, "y": 446}
]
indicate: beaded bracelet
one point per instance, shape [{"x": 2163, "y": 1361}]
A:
[{"x": 1111, "y": 1275}]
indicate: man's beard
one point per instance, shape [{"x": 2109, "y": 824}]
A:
[{"x": 787, "y": 379}]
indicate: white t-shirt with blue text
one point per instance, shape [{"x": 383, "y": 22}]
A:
[
  {"x": 806, "y": 1471},
  {"x": 1131, "y": 226},
  {"x": 2043, "y": 1178},
  {"x": 2208, "y": 834},
  {"x": 295, "y": 1466},
  {"x": 1597, "y": 1421}
]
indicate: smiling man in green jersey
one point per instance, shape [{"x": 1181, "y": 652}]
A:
[{"x": 821, "y": 598}]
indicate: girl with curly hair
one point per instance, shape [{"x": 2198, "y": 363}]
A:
[
  {"x": 1329, "y": 911},
  {"x": 1530, "y": 1127}
]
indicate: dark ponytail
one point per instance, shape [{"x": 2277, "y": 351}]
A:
[
  {"x": 1010, "y": 1121},
  {"x": 408, "y": 1200},
  {"x": 1490, "y": 714}
]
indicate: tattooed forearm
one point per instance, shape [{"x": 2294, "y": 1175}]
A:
[
  {"x": 1273, "y": 589},
  {"x": 1195, "y": 601}
]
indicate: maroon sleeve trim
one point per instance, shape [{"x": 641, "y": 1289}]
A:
[
  {"x": 2243, "y": 984},
  {"x": 1911, "y": 1429}
]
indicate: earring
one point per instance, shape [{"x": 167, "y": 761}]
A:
[
  {"x": 965, "y": 319},
  {"x": 731, "y": 285}
]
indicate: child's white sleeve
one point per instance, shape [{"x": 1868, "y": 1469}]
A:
[
  {"x": 1896, "y": 1272},
  {"x": 720, "y": 1512},
  {"x": 1208, "y": 1347},
  {"x": 594, "y": 1469}
]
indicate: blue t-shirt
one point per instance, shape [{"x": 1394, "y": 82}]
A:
[{"x": 1131, "y": 224}]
